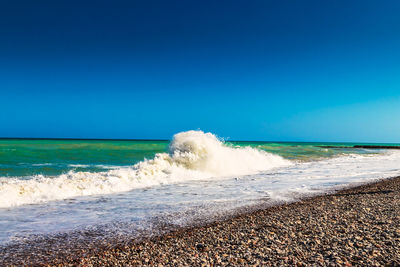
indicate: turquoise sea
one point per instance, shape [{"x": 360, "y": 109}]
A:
[
  {"x": 27, "y": 157},
  {"x": 126, "y": 188}
]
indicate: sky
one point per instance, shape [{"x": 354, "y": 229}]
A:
[{"x": 244, "y": 70}]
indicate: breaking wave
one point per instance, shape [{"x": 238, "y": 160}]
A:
[{"x": 192, "y": 155}]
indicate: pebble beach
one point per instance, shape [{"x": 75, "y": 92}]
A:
[
  {"x": 352, "y": 227},
  {"x": 188, "y": 133}
]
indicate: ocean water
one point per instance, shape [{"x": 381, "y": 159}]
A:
[{"x": 127, "y": 188}]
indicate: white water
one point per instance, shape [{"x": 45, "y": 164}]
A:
[
  {"x": 199, "y": 178},
  {"x": 193, "y": 155}
]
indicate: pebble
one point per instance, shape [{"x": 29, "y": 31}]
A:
[{"x": 353, "y": 227}]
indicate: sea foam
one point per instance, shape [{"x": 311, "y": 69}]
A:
[{"x": 192, "y": 155}]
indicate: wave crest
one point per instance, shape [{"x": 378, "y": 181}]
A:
[{"x": 192, "y": 155}]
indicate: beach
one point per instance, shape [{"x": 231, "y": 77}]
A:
[
  {"x": 187, "y": 133},
  {"x": 197, "y": 200},
  {"x": 351, "y": 227}
]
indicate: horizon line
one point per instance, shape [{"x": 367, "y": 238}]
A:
[{"x": 142, "y": 139}]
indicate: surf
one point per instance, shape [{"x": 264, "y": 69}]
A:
[{"x": 191, "y": 155}]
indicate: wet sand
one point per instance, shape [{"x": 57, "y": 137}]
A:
[{"x": 352, "y": 227}]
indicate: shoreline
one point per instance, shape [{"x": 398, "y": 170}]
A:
[{"x": 352, "y": 226}]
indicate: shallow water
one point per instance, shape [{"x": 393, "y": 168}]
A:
[{"x": 110, "y": 184}]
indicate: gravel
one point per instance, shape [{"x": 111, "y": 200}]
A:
[{"x": 354, "y": 227}]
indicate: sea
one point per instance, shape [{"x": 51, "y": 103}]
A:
[{"x": 134, "y": 188}]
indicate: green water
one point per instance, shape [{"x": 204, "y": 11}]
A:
[
  {"x": 24, "y": 157},
  {"x": 53, "y": 157}
]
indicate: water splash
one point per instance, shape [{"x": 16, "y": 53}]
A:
[{"x": 192, "y": 155}]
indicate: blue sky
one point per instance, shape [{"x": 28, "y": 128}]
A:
[{"x": 247, "y": 70}]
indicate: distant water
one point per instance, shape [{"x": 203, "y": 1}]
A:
[{"x": 53, "y": 186}]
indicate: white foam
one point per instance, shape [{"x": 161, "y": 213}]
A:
[
  {"x": 102, "y": 166},
  {"x": 192, "y": 155}
]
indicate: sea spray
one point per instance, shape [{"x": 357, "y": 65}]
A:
[{"x": 192, "y": 155}]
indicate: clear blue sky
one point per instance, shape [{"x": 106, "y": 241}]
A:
[{"x": 247, "y": 70}]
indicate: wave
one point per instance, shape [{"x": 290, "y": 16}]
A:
[
  {"x": 40, "y": 164},
  {"x": 101, "y": 166},
  {"x": 192, "y": 155}
]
